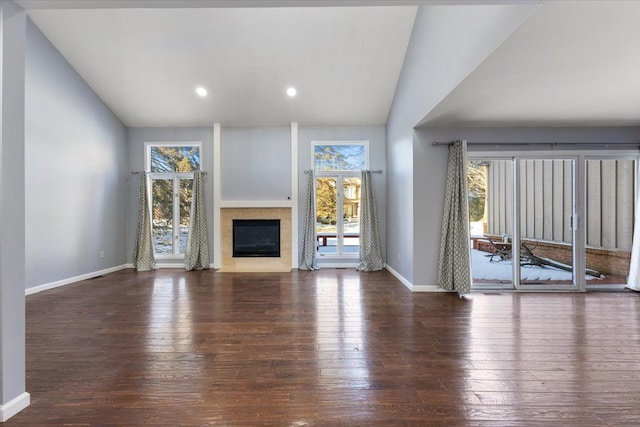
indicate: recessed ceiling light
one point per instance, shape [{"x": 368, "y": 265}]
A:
[
  {"x": 291, "y": 91},
  {"x": 202, "y": 92}
]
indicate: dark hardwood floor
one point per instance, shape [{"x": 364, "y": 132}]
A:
[{"x": 331, "y": 347}]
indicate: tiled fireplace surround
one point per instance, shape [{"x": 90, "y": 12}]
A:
[{"x": 255, "y": 264}]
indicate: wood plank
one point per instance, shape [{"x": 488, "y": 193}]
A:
[
  {"x": 500, "y": 181},
  {"x": 524, "y": 202},
  {"x": 508, "y": 164},
  {"x": 492, "y": 196},
  {"x": 538, "y": 197},
  {"x": 547, "y": 192},
  {"x": 330, "y": 347},
  {"x": 594, "y": 204},
  {"x": 531, "y": 199},
  {"x": 608, "y": 183},
  {"x": 558, "y": 214},
  {"x": 625, "y": 204},
  {"x": 568, "y": 200}
]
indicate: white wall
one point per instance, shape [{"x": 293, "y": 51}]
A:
[
  {"x": 136, "y": 145},
  {"x": 255, "y": 163},
  {"x": 447, "y": 43},
  {"x": 76, "y": 170},
  {"x": 13, "y": 397},
  {"x": 374, "y": 134}
]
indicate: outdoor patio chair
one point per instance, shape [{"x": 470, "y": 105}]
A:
[{"x": 500, "y": 251}]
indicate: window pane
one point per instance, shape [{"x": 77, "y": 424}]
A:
[
  {"x": 546, "y": 235},
  {"x": 490, "y": 185},
  {"x": 326, "y": 214},
  {"x": 181, "y": 158},
  {"x": 351, "y": 215},
  {"x": 609, "y": 220},
  {"x": 186, "y": 191},
  {"x": 339, "y": 157},
  {"x": 162, "y": 224}
]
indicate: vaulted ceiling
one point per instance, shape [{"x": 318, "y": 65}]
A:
[
  {"x": 146, "y": 63},
  {"x": 570, "y": 63}
]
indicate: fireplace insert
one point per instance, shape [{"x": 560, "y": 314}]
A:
[{"x": 256, "y": 238}]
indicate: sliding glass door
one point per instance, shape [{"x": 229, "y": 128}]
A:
[
  {"x": 546, "y": 207},
  {"x": 552, "y": 222},
  {"x": 609, "y": 219},
  {"x": 490, "y": 183}
]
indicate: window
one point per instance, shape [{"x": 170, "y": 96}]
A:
[
  {"x": 171, "y": 168},
  {"x": 339, "y": 157},
  {"x": 337, "y": 166}
]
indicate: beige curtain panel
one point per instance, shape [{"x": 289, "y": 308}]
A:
[
  {"x": 308, "y": 259},
  {"x": 454, "y": 271},
  {"x": 370, "y": 248},
  {"x": 143, "y": 256},
  {"x": 196, "y": 255}
]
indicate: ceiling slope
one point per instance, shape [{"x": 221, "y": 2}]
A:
[
  {"x": 448, "y": 43},
  {"x": 183, "y": 4},
  {"x": 571, "y": 63},
  {"x": 145, "y": 63}
]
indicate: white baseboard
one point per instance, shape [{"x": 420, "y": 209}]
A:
[
  {"x": 63, "y": 282},
  {"x": 427, "y": 288},
  {"x": 167, "y": 265},
  {"x": 170, "y": 265},
  {"x": 400, "y": 277},
  {"x": 14, "y": 406},
  {"x": 411, "y": 286},
  {"x": 337, "y": 265}
]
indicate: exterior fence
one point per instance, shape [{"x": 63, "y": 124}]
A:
[{"x": 546, "y": 206}]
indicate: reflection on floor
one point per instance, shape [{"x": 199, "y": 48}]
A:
[{"x": 333, "y": 347}]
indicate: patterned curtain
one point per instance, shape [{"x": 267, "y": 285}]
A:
[
  {"x": 143, "y": 257},
  {"x": 634, "y": 269},
  {"x": 196, "y": 255},
  {"x": 370, "y": 249},
  {"x": 308, "y": 259},
  {"x": 454, "y": 271}
]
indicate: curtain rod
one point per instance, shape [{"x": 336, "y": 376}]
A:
[
  {"x": 139, "y": 172},
  {"x": 308, "y": 171},
  {"x": 552, "y": 144}
]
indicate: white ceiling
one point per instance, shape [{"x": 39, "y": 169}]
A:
[
  {"x": 136, "y": 4},
  {"x": 146, "y": 63},
  {"x": 571, "y": 63}
]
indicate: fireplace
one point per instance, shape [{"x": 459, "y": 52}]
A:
[
  {"x": 256, "y": 238},
  {"x": 251, "y": 264}
]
